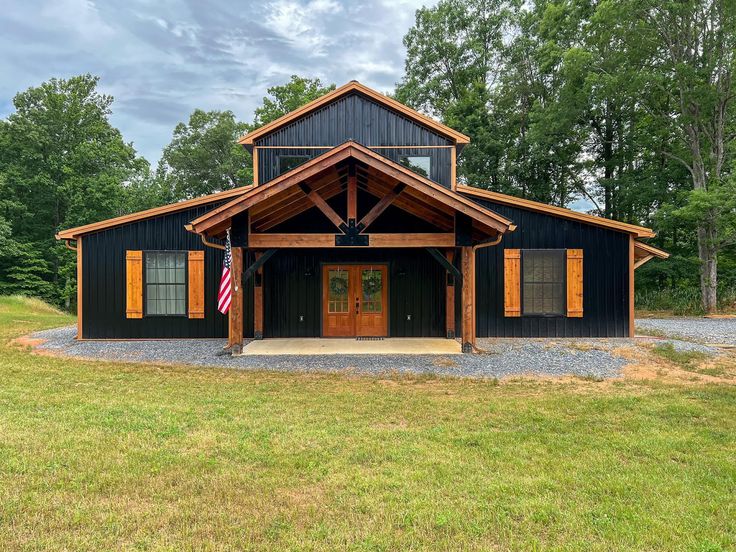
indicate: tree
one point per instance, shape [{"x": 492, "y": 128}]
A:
[
  {"x": 287, "y": 97},
  {"x": 691, "y": 62},
  {"x": 63, "y": 164},
  {"x": 204, "y": 157}
]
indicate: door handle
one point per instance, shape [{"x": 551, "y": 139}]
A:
[{"x": 357, "y": 305}]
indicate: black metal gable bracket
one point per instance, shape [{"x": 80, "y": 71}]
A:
[
  {"x": 259, "y": 262},
  {"x": 448, "y": 266},
  {"x": 352, "y": 236}
]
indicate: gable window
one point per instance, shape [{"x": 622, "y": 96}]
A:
[
  {"x": 543, "y": 282},
  {"x": 166, "y": 288},
  {"x": 419, "y": 165},
  {"x": 288, "y": 162}
]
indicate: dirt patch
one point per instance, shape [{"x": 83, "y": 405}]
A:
[
  {"x": 28, "y": 341},
  {"x": 645, "y": 366}
]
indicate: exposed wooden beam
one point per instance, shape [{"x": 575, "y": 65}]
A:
[
  {"x": 284, "y": 214},
  {"x": 266, "y": 241},
  {"x": 323, "y": 206},
  {"x": 262, "y": 193},
  {"x": 642, "y": 261},
  {"x": 381, "y": 206},
  {"x": 442, "y": 221},
  {"x": 352, "y": 193}
]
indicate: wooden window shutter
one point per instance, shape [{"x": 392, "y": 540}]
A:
[
  {"x": 575, "y": 283},
  {"x": 512, "y": 282},
  {"x": 134, "y": 284},
  {"x": 196, "y": 284}
]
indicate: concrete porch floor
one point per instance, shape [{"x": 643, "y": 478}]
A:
[{"x": 351, "y": 346}]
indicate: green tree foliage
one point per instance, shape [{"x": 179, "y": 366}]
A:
[
  {"x": 627, "y": 104},
  {"x": 63, "y": 164},
  {"x": 204, "y": 157},
  {"x": 287, "y": 97}
]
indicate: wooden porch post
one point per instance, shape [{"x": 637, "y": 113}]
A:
[
  {"x": 450, "y": 299},
  {"x": 258, "y": 301},
  {"x": 235, "y": 318},
  {"x": 468, "y": 299}
]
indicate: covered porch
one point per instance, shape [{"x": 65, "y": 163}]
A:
[{"x": 351, "y": 244}]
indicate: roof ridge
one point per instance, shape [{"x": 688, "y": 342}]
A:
[{"x": 354, "y": 85}]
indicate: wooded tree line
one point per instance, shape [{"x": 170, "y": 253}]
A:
[{"x": 625, "y": 104}]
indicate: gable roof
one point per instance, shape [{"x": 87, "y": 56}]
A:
[
  {"x": 73, "y": 233},
  {"x": 637, "y": 231},
  {"x": 354, "y": 86},
  {"x": 218, "y": 216}
]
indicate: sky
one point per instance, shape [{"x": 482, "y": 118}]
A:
[{"x": 161, "y": 59}]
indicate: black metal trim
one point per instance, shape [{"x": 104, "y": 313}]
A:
[
  {"x": 449, "y": 267},
  {"x": 252, "y": 269}
]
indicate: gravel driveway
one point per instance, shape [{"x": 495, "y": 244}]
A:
[
  {"x": 588, "y": 358},
  {"x": 703, "y": 330}
]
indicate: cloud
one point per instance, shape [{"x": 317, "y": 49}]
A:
[{"x": 162, "y": 59}]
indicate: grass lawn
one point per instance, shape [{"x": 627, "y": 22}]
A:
[{"x": 121, "y": 456}]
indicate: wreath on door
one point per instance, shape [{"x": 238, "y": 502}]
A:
[
  {"x": 373, "y": 283},
  {"x": 338, "y": 287}
]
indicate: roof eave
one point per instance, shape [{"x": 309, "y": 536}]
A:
[
  {"x": 637, "y": 231},
  {"x": 74, "y": 233}
]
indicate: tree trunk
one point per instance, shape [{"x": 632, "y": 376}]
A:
[
  {"x": 707, "y": 251},
  {"x": 708, "y": 265}
]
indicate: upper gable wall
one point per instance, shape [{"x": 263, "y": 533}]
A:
[{"x": 355, "y": 117}]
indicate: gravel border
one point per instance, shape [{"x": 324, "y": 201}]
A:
[{"x": 500, "y": 358}]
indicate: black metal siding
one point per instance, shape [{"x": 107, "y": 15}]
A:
[
  {"x": 605, "y": 277},
  {"x": 103, "y": 275},
  {"x": 293, "y": 289},
  {"x": 355, "y": 117}
]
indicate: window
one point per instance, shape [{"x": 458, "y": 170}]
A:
[
  {"x": 543, "y": 282},
  {"x": 419, "y": 165},
  {"x": 166, "y": 287},
  {"x": 288, "y": 162}
]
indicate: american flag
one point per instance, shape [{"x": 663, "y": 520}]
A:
[{"x": 225, "y": 293}]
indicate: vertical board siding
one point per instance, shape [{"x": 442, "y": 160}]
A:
[
  {"x": 104, "y": 284},
  {"x": 605, "y": 277},
  {"x": 293, "y": 291},
  {"x": 356, "y": 117}
]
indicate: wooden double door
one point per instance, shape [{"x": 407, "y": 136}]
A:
[{"x": 355, "y": 300}]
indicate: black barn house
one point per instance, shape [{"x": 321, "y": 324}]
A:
[{"x": 356, "y": 226}]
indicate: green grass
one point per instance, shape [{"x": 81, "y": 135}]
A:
[
  {"x": 687, "y": 360},
  {"x": 98, "y": 456}
]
